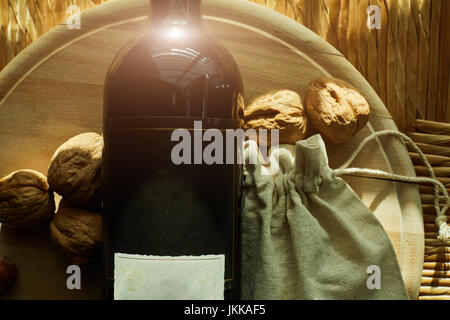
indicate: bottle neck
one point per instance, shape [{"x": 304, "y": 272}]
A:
[{"x": 175, "y": 12}]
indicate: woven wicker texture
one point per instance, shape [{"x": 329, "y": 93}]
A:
[
  {"x": 23, "y": 21},
  {"x": 407, "y": 62},
  {"x": 433, "y": 138}
]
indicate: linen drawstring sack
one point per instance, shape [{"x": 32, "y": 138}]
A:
[{"x": 307, "y": 235}]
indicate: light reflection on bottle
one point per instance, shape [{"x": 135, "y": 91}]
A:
[
  {"x": 167, "y": 78},
  {"x": 175, "y": 32}
]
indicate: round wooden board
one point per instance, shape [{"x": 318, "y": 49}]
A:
[{"x": 53, "y": 90}]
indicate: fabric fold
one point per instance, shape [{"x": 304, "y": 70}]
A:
[{"x": 307, "y": 235}]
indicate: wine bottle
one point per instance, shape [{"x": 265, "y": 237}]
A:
[{"x": 172, "y": 76}]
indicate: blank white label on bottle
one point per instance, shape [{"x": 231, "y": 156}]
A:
[{"x": 141, "y": 277}]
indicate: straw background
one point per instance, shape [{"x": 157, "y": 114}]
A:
[{"x": 407, "y": 62}]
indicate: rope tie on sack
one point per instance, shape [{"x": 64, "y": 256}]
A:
[{"x": 441, "y": 218}]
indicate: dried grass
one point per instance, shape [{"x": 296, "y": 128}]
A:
[
  {"x": 433, "y": 61},
  {"x": 23, "y": 21},
  {"x": 407, "y": 62}
]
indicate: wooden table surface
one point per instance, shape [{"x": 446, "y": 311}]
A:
[{"x": 53, "y": 90}]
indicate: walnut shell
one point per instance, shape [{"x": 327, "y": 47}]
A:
[
  {"x": 74, "y": 171},
  {"x": 77, "y": 232},
  {"x": 8, "y": 273},
  {"x": 282, "y": 110},
  {"x": 25, "y": 200},
  {"x": 336, "y": 109}
]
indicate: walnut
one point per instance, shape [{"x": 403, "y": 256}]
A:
[
  {"x": 282, "y": 110},
  {"x": 77, "y": 232},
  {"x": 74, "y": 171},
  {"x": 336, "y": 109},
  {"x": 25, "y": 200},
  {"x": 8, "y": 273}
]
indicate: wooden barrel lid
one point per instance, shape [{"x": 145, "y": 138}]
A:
[{"x": 53, "y": 91}]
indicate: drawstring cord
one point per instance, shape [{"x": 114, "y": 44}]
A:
[{"x": 441, "y": 218}]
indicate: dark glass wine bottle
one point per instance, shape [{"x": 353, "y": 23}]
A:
[{"x": 166, "y": 79}]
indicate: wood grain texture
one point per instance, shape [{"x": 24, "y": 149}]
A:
[
  {"x": 433, "y": 290},
  {"x": 363, "y": 36},
  {"x": 352, "y": 32},
  {"x": 435, "y": 282},
  {"x": 421, "y": 10},
  {"x": 436, "y": 274},
  {"x": 434, "y": 139},
  {"x": 447, "y": 117},
  {"x": 342, "y": 27},
  {"x": 429, "y": 199},
  {"x": 432, "y": 149},
  {"x": 425, "y": 60},
  {"x": 432, "y": 127},
  {"x": 432, "y": 159},
  {"x": 439, "y": 257},
  {"x": 400, "y": 82},
  {"x": 392, "y": 55},
  {"x": 412, "y": 65},
  {"x": 436, "y": 297},
  {"x": 427, "y": 189},
  {"x": 372, "y": 54},
  {"x": 433, "y": 61},
  {"x": 53, "y": 90},
  {"x": 434, "y": 250},
  {"x": 444, "y": 64},
  {"x": 437, "y": 253}
]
